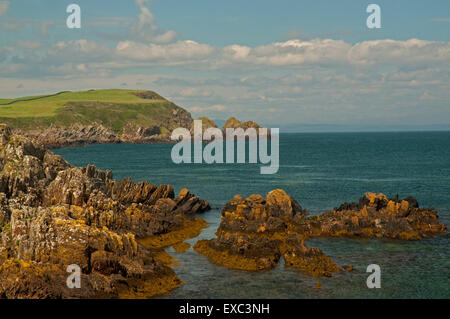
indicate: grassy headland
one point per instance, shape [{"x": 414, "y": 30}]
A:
[{"x": 113, "y": 108}]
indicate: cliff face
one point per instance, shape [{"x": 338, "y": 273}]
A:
[
  {"x": 95, "y": 116},
  {"x": 95, "y": 132},
  {"x": 101, "y": 116},
  {"x": 53, "y": 215}
]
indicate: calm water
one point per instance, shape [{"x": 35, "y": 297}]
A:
[{"x": 320, "y": 171}]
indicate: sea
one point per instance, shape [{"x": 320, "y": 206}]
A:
[{"x": 321, "y": 171}]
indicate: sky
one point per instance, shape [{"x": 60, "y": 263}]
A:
[{"x": 297, "y": 65}]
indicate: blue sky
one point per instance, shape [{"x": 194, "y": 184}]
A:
[
  {"x": 256, "y": 22},
  {"x": 286, "y": 63}
]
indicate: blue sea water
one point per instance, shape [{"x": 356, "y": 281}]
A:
[{"x": 321, "y": 171}]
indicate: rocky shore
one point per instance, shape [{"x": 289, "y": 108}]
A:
[
  {"x": 256, "y": 232},
  {"x": 95, "y": 133},
  {"x": 54, "y": 215},
  {"x": 102, "y": 116},
  {"x": 77, "y": 134},
  {"x": 376, "y": 216}
]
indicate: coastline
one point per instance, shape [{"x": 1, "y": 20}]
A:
[
  {"x": 90, "y": 207},
  {"x": 55, "y": 214}
]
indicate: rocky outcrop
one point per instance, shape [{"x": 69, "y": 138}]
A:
[
  {"x": 53, "y": 215},
  {"x": 76, "y": 134},
  {"x": 206, "y": 124},
  {"x": 234, "y": 123},
  {"x": 97, "y": 133},
  {"x": 56, "y": 136},
  {"x": 104, "y": 116},
  {"x": 100, "y": 116},
  {"x": 136, "y": 134},
  {"x": 256, "y": 232},
  {"x": 377, "y": 216}
]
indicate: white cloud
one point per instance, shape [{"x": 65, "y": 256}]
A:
[
  {"x": 237, "y": 52},
  {"x": 410, "y": 52},
  {"x": 311, "y": 80},
  {"x": 83, "y": 51},
  {"x": 426, "y": 96},
  {"x": 194, "y": 92},
  {"x": 296, "y": 52},
  {"x": 145, "y": 28},
  {"x": 318, "y": 52},
  {"x": 178, "y": 52},
  {"x": 208, "y": 109},
  {"x": 45, "y": 26},
  {"x": 295, "y": 34},
  {"x": 4, "y": 7},
  {"x": 29, "y": 44}
]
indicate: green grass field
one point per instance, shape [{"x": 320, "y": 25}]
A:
[{"x": 114, "y": 108}]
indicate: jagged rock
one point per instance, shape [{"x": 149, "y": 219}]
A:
[
  {"x": 256, "y": 214},
  {"x": 42, "y": 242},
  {"x": 5, "y": 134},
  {"x": 206, "y": 124},
  {"x": 256, "y": 232},
  {"x": 77, "y": 134},
  {"x": 53, "y": 215},
  {"x": 348, "y": 268},
  {"x": 377, "y": 216},
  {"x": 234, "y": 123},
  {"x": 308, "y": 260},
  {"x": 95, "y": 132},
  {"x": 187, "y": 203},
  {"x": 240, "y": 251}
]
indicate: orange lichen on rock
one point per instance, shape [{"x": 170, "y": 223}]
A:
[
  {"x": 190, "y": 228},
  {"x": 236, "y": 261},
  {"x": 311, "y": 261},
  {"x": 150, "y": 286},
  {"x": 53, "y": 215},
  {"x": 165, "y": 257},
  {"x": 376, "y": 216},
  {"x": 255, "y": 232},
  {"x": 181, "y": 247}
]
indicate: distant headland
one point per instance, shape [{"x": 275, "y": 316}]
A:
[{"x": 100, "y": 116}]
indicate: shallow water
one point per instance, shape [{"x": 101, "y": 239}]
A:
[{"x": 320, "y": 171}]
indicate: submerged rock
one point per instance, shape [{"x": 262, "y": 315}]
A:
[{"x": 53, "y": 215}]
